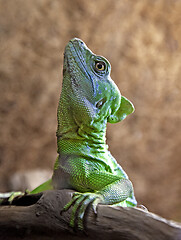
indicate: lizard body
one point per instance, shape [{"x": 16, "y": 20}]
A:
[{"x": 89, "y": 99}]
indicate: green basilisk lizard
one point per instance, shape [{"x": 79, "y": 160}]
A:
[{"x": 89, "y": 99}]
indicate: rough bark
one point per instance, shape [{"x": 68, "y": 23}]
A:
[{"x": 38, "y": 217}]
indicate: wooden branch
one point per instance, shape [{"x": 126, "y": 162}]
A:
[{"x": 39, "y": 217}]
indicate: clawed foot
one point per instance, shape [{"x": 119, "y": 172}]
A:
[
  {"x": 10, "y": 196},
  {"x": 80, "y": 202}
]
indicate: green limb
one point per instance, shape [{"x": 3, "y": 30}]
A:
[
  {"x": 117, "y": 192},
  {"x": 113, "y": 188},
  {"x": 108, "y": 189}
]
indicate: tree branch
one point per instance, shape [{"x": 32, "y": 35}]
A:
[{"x": 38, "y": 217}]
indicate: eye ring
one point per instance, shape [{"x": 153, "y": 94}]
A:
[{"x": 100, "y": 66}]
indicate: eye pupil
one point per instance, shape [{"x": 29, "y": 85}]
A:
[{"x": 100, "y": 66}]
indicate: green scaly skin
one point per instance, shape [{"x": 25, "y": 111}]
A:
[{"x": 89, "y": 99}]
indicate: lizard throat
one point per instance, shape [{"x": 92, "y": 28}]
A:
[
  {"x": 81, "y": 148},
  {"x": 81, "y": 140}
]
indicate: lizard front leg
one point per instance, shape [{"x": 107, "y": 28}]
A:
[{"x": 106, "y": 189}]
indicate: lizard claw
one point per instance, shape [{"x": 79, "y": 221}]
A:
[
  {"x": 94, "y": 205},
  {"x": 93, "y": 200},
  {"x": 80, "y": 202}
]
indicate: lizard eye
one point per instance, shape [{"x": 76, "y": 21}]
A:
[{"x": 100, "y": 66}]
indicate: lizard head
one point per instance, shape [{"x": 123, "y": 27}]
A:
[{"x": 90, "y": 89}]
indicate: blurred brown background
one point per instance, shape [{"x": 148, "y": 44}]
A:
[{"x": 142, "y": 41}]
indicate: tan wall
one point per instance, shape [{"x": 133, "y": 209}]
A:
[{"x": 142, "y": 40}]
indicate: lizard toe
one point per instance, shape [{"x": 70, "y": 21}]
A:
[{"x": 77, "y": 203}]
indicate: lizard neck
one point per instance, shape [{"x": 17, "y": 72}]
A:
[
  {"x": 82, "y": 139},
  {"x": 89, "y": 145}
]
